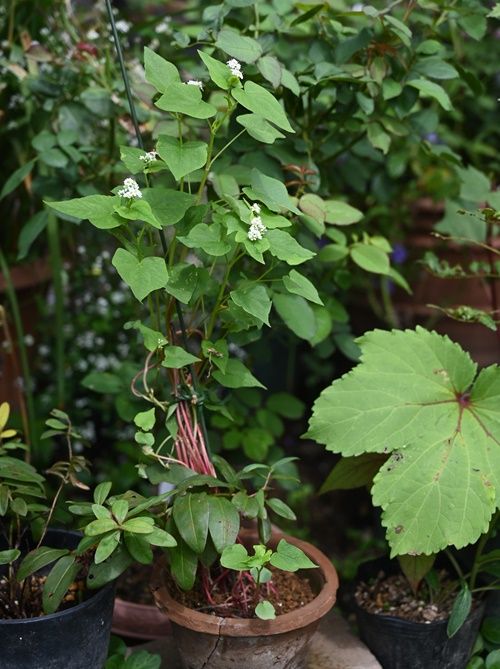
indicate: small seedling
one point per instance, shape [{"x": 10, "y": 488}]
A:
[{"x": 286, "y": 557}]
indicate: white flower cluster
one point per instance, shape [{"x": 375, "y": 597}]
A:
[
  {"x": 122, "y": 26},
  {"x": 92, "y": 34},
  {"x": 257, "y": 228},
  {"x": 235, "y": 67},
  {"x": 130, "y": 189},
  {"x": 148, "y": 157},
  {"x": 195, "y": 82}
]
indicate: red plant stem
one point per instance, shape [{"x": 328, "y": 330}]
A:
[
  {"x": 207, "y": 586},
  {"x": 190, "y": 444}
]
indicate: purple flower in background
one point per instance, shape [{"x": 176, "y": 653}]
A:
[
  {"x": 322, "y": 242},
  {"x": 432, "y": 137},
  {"x": 399, "y": 254}
]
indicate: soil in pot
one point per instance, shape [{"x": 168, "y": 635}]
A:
[
  {"x": 232, "y": 596},
  {"x": 405, "y": 631},
  {"x": 76, "y": 636},
  {"x": 213, "y": 641},
  {"x": 135, "y": 614},
  {"x": 393, "y": 596},
  {"x": 27, "y": 600}
]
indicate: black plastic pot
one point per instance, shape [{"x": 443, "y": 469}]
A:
[
  {"x": 402, "y": 644},
  {"x": 76, "y": 638}
]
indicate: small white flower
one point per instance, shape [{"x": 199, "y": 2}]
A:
[
  {"x": 122, "y": 26},
  {"x": 235, "y": 67},
  {"x": 29, "y": 340},
  {"x": 256, "y": 229},
  {"x": 92, "y": 34},
  {"x": 130, "y": 189},
  {"x": 117, "y": 297},
  {"x": 254, "y": 234},
  {"x": 358, "y": 7},
  {"x": 255, "y": 208},
  {"x": 44, "y": 31},
  {"x": 237, "y": 351},
  {"x": 164, "y": 26},
  {"x": 149, "y": 157},
  {"x": 256, "y": 222},
  {"x": 195, "y": 82}
]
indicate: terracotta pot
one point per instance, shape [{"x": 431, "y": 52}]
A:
[
  {"x": 139, "y": 621},
  {"x": 479, "y": 341},
  {"x": 211, "y": 642},
  {"x": 29, "y": 281}
]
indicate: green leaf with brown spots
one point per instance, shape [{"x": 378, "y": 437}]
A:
[{"x": 417, "y": 397}]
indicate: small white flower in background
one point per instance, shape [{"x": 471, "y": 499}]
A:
[
  {"x": 164, "y": 26},
  {"x": 15, "y": 100},
  {"x": 235, "y": 67},
  {"x": 148, "y": 157},
  {"x": 92, "y": 34},
  {"x": 358, "y": 7},
  {"x": 130, "y": 189},
  {"x": 237, "y": 351},
  {"x": 255, "y": 208},
  {"x": 195, "y": 82},
  {"x": 81, "y": 365},
  {"x": 29, "y": 340},
  {"x": 80, "y": 402},
  {"x": 122, "y": 26},
  {"x": 256, "y": 229},
  {"x": 44, "y": 31}
]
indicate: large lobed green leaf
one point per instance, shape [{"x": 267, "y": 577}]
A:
[{"x": 416, "y": 397}]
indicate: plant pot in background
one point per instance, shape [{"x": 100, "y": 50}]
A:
[
  {"x": 76, "y": 638},
  {"x": 139, "y": 621},
  {"x": 479, "y": 341},
  {"x": 28, "y": 281},
  {"x": 403, "y": 644},
  {"x": 213, "y": 642}
]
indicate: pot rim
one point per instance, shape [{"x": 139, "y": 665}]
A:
[
  {"x": 251, "y": 627},
  {"x": 99, "y": 594},
  {"x": 135, "y": 606}
]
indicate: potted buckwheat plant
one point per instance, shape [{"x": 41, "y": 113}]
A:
[
  {"x": 418, "y": 423},
  {"x": 214, "y": 261}
]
